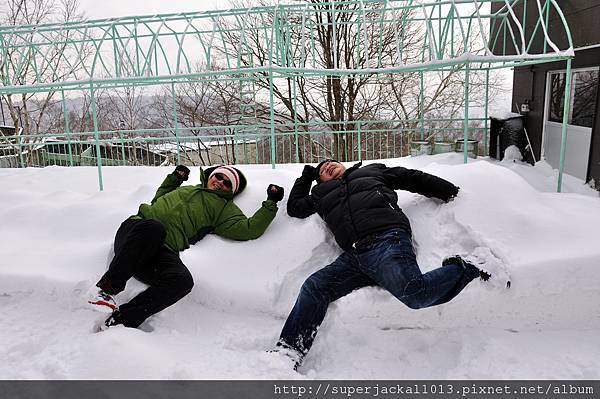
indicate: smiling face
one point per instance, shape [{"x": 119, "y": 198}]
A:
[
  {"x": 218, "y": 181},
  {"x": 331, "y": 170}
]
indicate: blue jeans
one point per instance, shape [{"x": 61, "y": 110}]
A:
[{"x": 390, "y": 263}]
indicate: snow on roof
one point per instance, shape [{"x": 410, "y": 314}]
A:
[
  {"x": 172, "y": 146},
  {"x": 215, "y": 143},
  {"x": 505, "y": 115}
]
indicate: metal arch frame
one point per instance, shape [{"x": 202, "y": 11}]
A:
[{"x": 165, "y": 49}]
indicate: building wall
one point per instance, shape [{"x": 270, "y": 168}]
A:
[
  {"x": 529, "y": 82},
  {"x": 594, "y": 164}
]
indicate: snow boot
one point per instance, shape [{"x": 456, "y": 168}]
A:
[
  {"x": 288, "y": 354},
  {"x": 102, "y": 302},
  {"x": 459, "y": 260},
  {"x": 485, "y": 260}
]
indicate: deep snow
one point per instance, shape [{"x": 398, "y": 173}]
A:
[{"x": 57, "y": 232}]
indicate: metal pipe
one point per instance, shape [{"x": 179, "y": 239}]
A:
[
  {"x": 176, "y": 122},
  {"x": 466, "y": 120},
  {"x": 67, "y": 129},
  {"x": 565, "y": 121},
  {"x": 97, "y": 137},
  {"x": 487, "y": 97}
]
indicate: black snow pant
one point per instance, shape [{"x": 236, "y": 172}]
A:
[{"x": 140, "y": 253}]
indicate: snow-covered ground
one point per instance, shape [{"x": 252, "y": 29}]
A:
[{"x": 57, "y": 232}]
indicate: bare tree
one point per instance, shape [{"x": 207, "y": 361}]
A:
[
  {"x": 339, "y": 102},
  {"x": 27, "y": 110},
  {"x": 126, "y": 109},
  {"x": 208, "y": 110},
  {"x": 437, "y": 98}
]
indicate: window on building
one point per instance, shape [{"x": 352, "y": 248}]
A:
[{"x": 584, "y": 92}]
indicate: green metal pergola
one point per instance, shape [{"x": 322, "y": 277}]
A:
[{"x": 272, "y": 52}]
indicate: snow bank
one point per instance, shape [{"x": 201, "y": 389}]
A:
[{"x": 57, "y": 235}]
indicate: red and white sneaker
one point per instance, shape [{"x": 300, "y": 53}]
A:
[{"x": 101, "y": 301}]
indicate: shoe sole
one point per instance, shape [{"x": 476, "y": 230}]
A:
[{"x": 102, "y": 306}]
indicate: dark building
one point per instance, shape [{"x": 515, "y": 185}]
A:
[{"x": 542, "y": 86}]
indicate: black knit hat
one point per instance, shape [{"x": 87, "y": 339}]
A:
[{"x": 318, "y": 169}]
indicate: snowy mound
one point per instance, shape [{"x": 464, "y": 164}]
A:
[{"x": 57, "y": 236}]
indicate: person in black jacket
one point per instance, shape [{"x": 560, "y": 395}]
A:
[{"x": 360, "y": 207}]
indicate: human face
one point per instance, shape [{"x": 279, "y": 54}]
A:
[
  {"x": 331, "y": 170},
  {"x": 219, "y": 181}
]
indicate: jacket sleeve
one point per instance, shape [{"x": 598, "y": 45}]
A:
[
  {"x": 300, "y": 203},
  {"x": 419, "y": 182},
  {"x": 170, "y": 183},
  {"x": 235, "y": 225}
]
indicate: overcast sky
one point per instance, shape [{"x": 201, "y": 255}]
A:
[{"x": 118, "y": 8}]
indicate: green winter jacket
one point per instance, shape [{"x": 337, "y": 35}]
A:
[{"x": 191, "y": 212}]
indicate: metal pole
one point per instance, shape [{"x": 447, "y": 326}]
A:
[
  {"x": 487, "y": 97},
  {"x": 20, "y": 143},
  {"x": 272, "y": 117},
  {"x": 20, "y": 136},
  {"x": 359, "y": 146},
  {"x": 97, "y": 137},
  {"x": 547, "y": 18},
  {"x": 466, "y": 120},
  {"x": 67, "y": 129},
  {"x": 234, "y": 149},
  {"x": 334, "y": 34},
  {"x": 566, "y": 110},
  {"x": 524, "y": 19},
  {"x": 2, "y": 109},
  {"x": 115, "y": 51},
  {"x": 394, "y": 144},
  {"x": 296, "y": 121},
  {"x": 367, "y": 143},
  {"x": 176, "y": 123},
  {"x": 401, "y": 145},
  {"x": 274, "y": 32},
  {"x": 422, "y": 107},
  {"x": 121, "y": 128}
]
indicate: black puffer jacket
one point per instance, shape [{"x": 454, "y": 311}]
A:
[{"x": 364, "y": 202}]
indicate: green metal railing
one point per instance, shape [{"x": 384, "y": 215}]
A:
[
  {"x": 271, "y": 53},
  {"x": 301, "y": 142}
]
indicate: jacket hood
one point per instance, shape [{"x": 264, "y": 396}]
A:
[{"x": 205, "y": 173}]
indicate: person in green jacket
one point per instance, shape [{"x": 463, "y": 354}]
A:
[{"x": 147, "y": 245}]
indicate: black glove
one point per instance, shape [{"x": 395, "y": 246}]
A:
[
  {"x": 182, "y": 172},
  {"x": 309, "y": 173},
  {"x": 275, "y": 193},
  {"x": 452, "y": 193}
]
